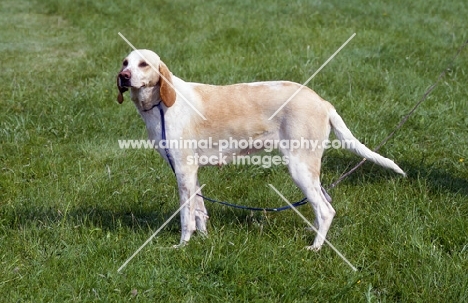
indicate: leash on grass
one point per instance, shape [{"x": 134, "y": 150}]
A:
[
  {"x": 405, "y": 118},
  {"x": 343, "y": 176}
]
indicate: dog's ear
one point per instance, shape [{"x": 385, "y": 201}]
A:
[
  {"x": 167, "y": 92},
  {"x": 121, "y": 89}
]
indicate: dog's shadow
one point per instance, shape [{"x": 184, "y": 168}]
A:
[
  {"x": 92, "y": 217},
  {"x": 436, "y": 179},
  {"x": 111, "y": 219}
]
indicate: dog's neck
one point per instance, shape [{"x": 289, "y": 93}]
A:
[{"x": 145, "y": 98}]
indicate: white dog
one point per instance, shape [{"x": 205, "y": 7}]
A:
[{"x": 243, "y": 111}]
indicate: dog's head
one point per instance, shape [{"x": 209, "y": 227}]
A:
[{"x": 143, "y": 69}]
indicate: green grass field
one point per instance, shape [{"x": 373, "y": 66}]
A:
[{"x": 74, "y": 207}]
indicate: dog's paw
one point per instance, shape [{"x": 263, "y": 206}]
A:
[
  {"x": 313, "y": 247},
  {"x": 180, "y": 245}
]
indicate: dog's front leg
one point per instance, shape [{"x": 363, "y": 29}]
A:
[
  {"x": 201, "y": 214},
  {"x": 187, "y": 182}
]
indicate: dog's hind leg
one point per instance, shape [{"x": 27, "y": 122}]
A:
[{"x": 305, "y": 171}]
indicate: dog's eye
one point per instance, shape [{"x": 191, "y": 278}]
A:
[
  {"x": 143, "y": 64},
  {"x": 125, "y": 63}
]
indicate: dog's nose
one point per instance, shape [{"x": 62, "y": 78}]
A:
[{"x": 125, "y": 75}]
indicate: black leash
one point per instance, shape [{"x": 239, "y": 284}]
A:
[
  {"x": 170, "y": 160},
  {"x": 163, "y": 137}
]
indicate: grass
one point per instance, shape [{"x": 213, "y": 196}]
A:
[{"x": 74, "y": 207}]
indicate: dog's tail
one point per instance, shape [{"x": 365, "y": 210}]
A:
[{"x": 349, "y": 142}]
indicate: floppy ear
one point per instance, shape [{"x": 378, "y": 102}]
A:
[
  {"x": 168, "y": 94},
  {"x": 121, "y": 89}
]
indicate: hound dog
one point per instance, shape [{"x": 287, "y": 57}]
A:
[{"x": 245, "y": 111}]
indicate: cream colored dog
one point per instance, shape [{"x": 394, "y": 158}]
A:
[{"x": 243, "y": 111}]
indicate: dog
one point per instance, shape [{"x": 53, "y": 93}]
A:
[{"x": 259, "y": 111}]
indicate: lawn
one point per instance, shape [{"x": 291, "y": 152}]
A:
[{"x": 74, "y": 206}]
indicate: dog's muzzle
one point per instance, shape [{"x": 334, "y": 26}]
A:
[{"x": 124, "y": 79}]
